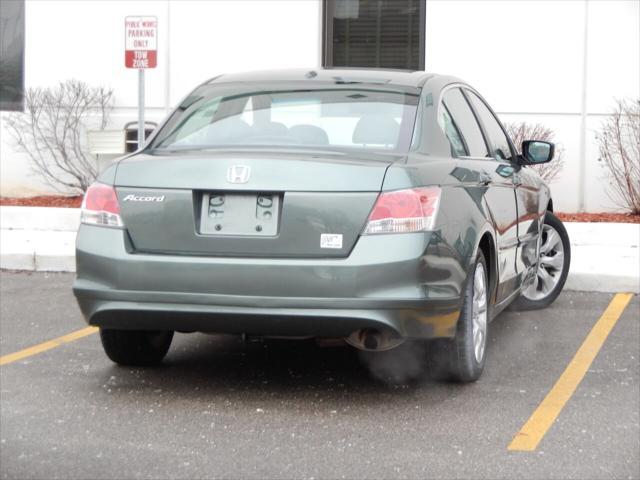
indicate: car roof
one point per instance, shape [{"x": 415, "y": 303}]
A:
[{"x": 405, "y": 78}]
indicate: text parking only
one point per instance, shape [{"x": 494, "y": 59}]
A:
[{"x": 141, "y": 42}]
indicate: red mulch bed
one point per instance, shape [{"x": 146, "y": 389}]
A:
[
  {"x": 75, "y": 202},
  {"x": 44, "y": 201},
  {"x": 599, "y": 217}
]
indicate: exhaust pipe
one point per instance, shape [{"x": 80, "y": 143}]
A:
[{"x": 372, "y": 340}]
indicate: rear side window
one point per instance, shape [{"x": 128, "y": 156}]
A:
[
  {"x": 448, "y": 126},
  {"x": 466, "y": 123},
  {"x": 499, "y": 142}
]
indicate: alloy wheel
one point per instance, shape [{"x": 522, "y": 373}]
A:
[
  {"x": 550, "y": 265},
  {"x": 479, "y": 312}
]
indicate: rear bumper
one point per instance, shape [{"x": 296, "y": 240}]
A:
[{"x": 399, "y": 282}]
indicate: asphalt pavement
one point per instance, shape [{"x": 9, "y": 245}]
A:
[{"x": 223, "y": 408}]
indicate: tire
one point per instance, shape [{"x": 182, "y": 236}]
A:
[
  {"x": 462, "y": 359},
  {"x": 553, "y": 267},
  {"x": 135, "y": 347}
]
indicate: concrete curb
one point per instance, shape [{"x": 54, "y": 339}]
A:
[
  {"x": 38, "y": 238},
  {"x": 50, "y": 251},
  {"x": 605, "y": 256}
]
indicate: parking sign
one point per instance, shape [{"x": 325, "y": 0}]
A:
[{"x": 141, "y": 42}]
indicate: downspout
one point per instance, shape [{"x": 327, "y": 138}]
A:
[
  {"x": 583, "y": 115},
  {"x": 167, "y": 65}
]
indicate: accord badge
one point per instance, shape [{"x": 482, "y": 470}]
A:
[{"x": 143, "y": 198}]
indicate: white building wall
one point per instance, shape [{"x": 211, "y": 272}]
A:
[{"x": 525, "y": 57}]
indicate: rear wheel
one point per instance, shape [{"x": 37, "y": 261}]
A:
[
  {"x": 462, "y": 358},
  {"x": 553, "y": 267},
  {"x": 135, "y": 347}
]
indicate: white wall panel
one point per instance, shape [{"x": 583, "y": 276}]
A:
[
  {"x": 614, "y": 53},
  {"x": 210, "y": 38},
  {"x": 523, "y": 56}
]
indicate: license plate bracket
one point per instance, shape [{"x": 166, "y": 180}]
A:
[{"x": 245, "y": 214}]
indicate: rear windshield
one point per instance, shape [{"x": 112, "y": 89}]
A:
[{"x": 346, "y": 116}]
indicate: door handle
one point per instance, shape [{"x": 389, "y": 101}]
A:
[
  {"x": 484, "y": 179},
  {"x": 517, "y": 181}
]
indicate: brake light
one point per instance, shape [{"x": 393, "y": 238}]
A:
[
  {"x": 404, "y": 211},
  {"x": 100, "y": 206}
]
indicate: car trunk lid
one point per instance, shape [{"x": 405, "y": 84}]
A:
[{"x": 243, "y": 203}]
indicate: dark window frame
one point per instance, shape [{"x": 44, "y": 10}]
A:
[
  {"x": 17, "y": 56},
  {"x": 328, "y": 8}
]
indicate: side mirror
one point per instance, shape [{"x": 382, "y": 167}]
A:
[{"x": 535, "y": 152}]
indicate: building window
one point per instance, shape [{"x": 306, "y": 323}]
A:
[
  {"x": 374, "y": 33},
  {"x": 131, "y": 143},
  {"x": 12, "y": 55}
]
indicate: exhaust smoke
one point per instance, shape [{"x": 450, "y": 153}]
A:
[{"x": 401, "y": 365}]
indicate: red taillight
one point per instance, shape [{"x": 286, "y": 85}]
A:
[
  {"x": 100, "y": 206},
  {"x": 404, "y": 211},
  {"x": 101, "y": 197}
]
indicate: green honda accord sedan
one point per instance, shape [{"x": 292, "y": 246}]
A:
[{"x": 370, "y": 206}]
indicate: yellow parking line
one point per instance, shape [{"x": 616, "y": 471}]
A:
[
  {"x": 530, "y": 435},
  {"x": 48, "y": 345}
]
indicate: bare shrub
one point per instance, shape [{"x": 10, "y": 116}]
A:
[
  {"x": 619, "y": 145},
  {"x": 52, "y": 131},
  {"x": 528, "y": 131}
]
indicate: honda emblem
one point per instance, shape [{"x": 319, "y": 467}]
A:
[{"x": 238, "y": 174}]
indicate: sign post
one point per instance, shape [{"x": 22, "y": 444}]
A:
[
  {"x": 141, "y": 52},
  {"x": 140, "y": 107}
]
